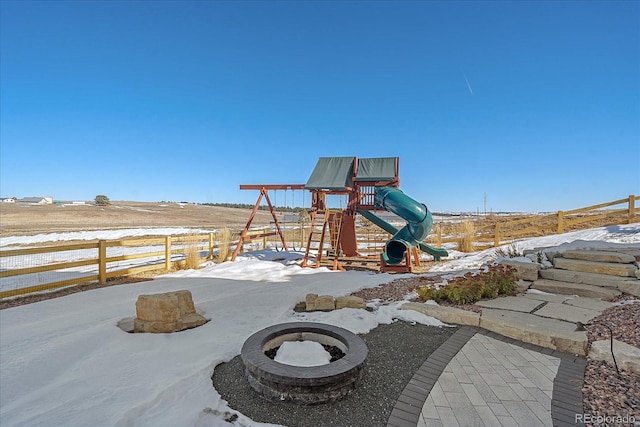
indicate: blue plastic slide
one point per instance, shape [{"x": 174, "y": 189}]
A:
[{"x": 419, "y": 223}]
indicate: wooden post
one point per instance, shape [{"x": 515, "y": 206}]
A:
[
  {"x": 245, "y": 230},
  {"x": 211, "y": 240},
  {"x": 167, "y": 253},
  {"x": 102, "y": 262},
  {"x": 560, "y": 222},
  {"x": 416, "y": 256},
  {"x": 632, "y": 209}
]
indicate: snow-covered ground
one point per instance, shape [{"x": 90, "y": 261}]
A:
[{"x": 64, "y": 362}]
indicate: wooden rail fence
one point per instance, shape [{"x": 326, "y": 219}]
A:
[
  {"x": 37, "y": 269},
  {"x": 52, "y": 267}
]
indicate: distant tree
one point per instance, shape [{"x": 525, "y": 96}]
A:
[
  {"x": 102, "y": 200},
  {"x": 303, "y": 217}
]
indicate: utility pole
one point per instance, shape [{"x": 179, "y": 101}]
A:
[{"x": 485, "y": 204}]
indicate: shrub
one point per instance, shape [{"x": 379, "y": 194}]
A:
[
  {"x": 428, "y": 292},
  {"x": 467, "y": 233},
  {"x": 102, "y": 200},
  {"x": 497, "y": 280},
  {"x": 510, "y": 251}
]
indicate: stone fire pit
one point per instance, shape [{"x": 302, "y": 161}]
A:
[{"x": 303, "y": 385}]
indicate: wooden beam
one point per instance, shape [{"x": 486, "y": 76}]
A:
[{"x": 272, "y": 186}]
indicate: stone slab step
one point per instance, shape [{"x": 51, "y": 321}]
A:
[
  {"x": 608, "y": 268},
  {"x": 590, "y": 303},
  {"x": 570, "y": 288},
  {"x": 549, "y": 297},
  {"x": 583, "y": 277},
  {"x": 524, "y": 305},
  {"x": 599, "y": 256},
  {"x": 548, "y": 333},
  {"x": 566, "y": 312},
  {"x": 631, "y": 251},
  {"x": 445, "y": 314}
]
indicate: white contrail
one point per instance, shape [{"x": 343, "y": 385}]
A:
[{"x": 468, "y": 85}]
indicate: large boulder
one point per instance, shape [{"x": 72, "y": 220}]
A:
[
  {"x": 627, "y": 356},
  {"x": 166, "y": 312},
  {"x": 350, "y": 302},
  {"x": 325, "y": 302},
  {"x": 524, "y": 270}
]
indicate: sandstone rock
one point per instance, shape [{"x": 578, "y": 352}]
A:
[
  {"x": 582, "y": 277},
  {"x": 630, "y": 287},
  {"x": 569, "y": 288},
  {"x": 350, "y": 302},
  {"x": 325, "y": 302},
  {"x": 524, "y": 270},
  {"x": 627, "y": 356},
  {"x": 445, "y": 314},
  {"x": 608, "y": 268},
  {"x": 310, "y": 301},
  {"x": 158, "y": 308},
  {"x": 166, "y": 312},
  {"x": 549, "y": 333},
  {"x": 521, "y": 286},
  {"x": 599, "y": 256}
]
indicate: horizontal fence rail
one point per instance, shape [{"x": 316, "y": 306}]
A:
[
  {"x": 29, "y": 270},
  {"x": 37, "y": 269}
]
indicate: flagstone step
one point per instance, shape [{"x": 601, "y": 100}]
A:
[
  {"x": 566, "y": 312},
  {"x": 599, "y": 256},
  {"x": 596, "y": 279},
  {"x": 571, "y": 288},
  {"x": 545, "y": 332},
  {"x": 608, "y": 268}
]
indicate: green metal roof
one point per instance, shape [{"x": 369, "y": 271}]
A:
[
  {"x": 331, "y": 173},
  {"x": 335, "y": 173},
  {"x": 377, "y": 169}
]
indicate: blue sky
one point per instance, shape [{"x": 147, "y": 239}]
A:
[{"x": 534, "y": 104}]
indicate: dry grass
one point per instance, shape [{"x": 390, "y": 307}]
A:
[
  {"x": 18, "y": 219},
  {"x": 224, "y": 237},
  {"x": 192, "y": 257},
  {"x": 467, "y": 232},
  {"x": 438, "y": 233}
]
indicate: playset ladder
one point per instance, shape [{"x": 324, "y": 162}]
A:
[
  {"x": 316, "y": 235},
  {"x": 336, "y": 236}
]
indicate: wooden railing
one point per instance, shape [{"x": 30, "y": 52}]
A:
[
  {"x": 563, "y": 221},
  {"x": 42, "y": 269},
  {"x": 500, "y": 230},
  {"x": 37, "y": 269}
]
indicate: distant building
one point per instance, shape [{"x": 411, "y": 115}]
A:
[
  {"x": 8, "y": 200},
  {"x": 37, "y": 200}
]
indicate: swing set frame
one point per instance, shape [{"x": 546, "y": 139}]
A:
[{"x": 264, "y": 193}]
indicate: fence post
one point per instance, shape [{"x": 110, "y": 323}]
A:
[
  {"x": 632, "y": 209},
  {"x": 210, "y": 245},
  {"x": 167, "y": 253},
  {"x": 560, "y": 222},
  {"x": 496, "y": 235},
  {"x": 264, "y": 239},
  {"x": 102, "y": 262}
]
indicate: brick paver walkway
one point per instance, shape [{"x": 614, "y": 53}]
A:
[{"x": 479, "y": 378}]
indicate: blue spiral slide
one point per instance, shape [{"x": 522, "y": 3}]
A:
[{"x": 419, "y": 223}]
